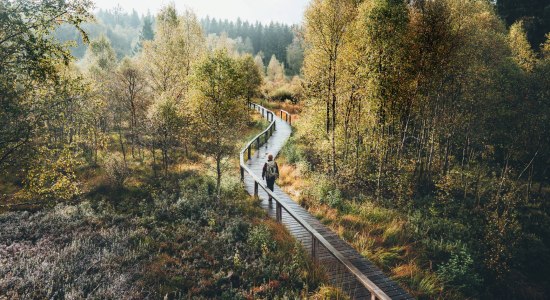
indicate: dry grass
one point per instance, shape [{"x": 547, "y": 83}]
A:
[
  {"x": 276, "y": 106},
  {"x": 287, "y": 175},
  {"x": 406, "y": 270},
  {"x": 329, "y": 293},
  {"x": 279, "y": 233},
  {"x": 376, "y": 232}
]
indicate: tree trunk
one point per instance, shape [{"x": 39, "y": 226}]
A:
[
  {"x": 121, "y": 142},
  {"x": 154, "y": 159},
  {"x": 219, "y": 177}
]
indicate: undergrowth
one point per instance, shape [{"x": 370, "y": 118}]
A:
[
  {"x": 179, "y": 243},
  {"x": 411, "y": 247}
]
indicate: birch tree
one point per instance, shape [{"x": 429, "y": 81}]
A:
[{"x": 219, "y": 107}]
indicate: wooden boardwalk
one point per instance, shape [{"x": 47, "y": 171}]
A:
[{"x": 339, "y": 275}]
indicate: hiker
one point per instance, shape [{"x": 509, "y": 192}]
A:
[{"x": 270, "y": 172}]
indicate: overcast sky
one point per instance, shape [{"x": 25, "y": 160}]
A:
[{"x": 265, "y": 11}]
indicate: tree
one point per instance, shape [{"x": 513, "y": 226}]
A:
[
  {"x": 168, "y": 59},
  {"x": 252, "y": 77},
  {"x": 521, "y": 49},
  {"x": 130, "y": 90},
  {"x": 168, "y": 62},
  {"x": 535, "y": 13},
  {"x": 218, "y": 106},
  {"x": 326, "y": 31},
  {"x": 146, "y": 34},
  {"x": 259, "y": 61},
  {"x": 165, "y": 123},
  {"x": 275, "y": 70},
  {"x": 32, "y": 71},
  {"x": 295, "y": 56},
  {"x": 100, "y": 59},
  {"x": 100, "y": 65}
]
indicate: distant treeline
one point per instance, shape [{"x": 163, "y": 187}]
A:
[
  {"x": 272, "y": 39},
  {"x": 126, "y": 30}
]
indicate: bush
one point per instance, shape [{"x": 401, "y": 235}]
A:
[
  {"x": 291, "y": 152},
  {"x": 116, "y": 170},
  {"x": 282, "y": 94},
  {"x": 52, "y": 176},
  {"x": 328, "y": 193},
  {"x": 459, "y": 272},
  {"x": 329, "y": 293},
  {"x": 260, "y": 239}
]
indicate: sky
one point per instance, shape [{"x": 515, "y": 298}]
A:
[{"x": 265, "y": 11}]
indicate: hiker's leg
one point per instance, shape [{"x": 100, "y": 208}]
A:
[{"x": 270, "y": 185}]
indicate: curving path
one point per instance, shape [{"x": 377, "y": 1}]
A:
[{"x": 339, "y": 276}]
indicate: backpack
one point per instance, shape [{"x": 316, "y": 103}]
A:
[{"x": 271, "y": 170}]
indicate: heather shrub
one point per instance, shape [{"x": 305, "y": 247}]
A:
[
  {"x": 116, "y": 170},
  {"x": 184, "y": 244}
]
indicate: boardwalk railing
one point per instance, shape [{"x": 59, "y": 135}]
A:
[
  {"x": 287, "y": 116},
  {"x": 316, "y": 238}
]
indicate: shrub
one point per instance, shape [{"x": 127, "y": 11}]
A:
[
  {"x": 291, "y": 152},
  {"x": 459, "y": 272},
  {"x": 328, "y": 193},
  {"x": 116, "y": 169},
  {"x": 260, "y": 238},
  {"x": 52, "y": 176},
  {"x": 282, "y": 94}
]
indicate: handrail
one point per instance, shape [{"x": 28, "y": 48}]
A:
[
  {"x": 288, "y": 116},
  {"x": 316, "y": 237}
]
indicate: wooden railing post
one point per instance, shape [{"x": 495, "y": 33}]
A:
[
  {"x": 249, "y": 151},
  {"x": 289, "y": 119},
  {"x": 242, "y": 174},
  {"x": 279, "y": 212},
  {"x": 255, "y": 189},
  {"x": 258, "y": 143}
]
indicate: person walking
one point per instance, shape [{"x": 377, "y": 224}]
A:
[{"x": 270, "y": 173}]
